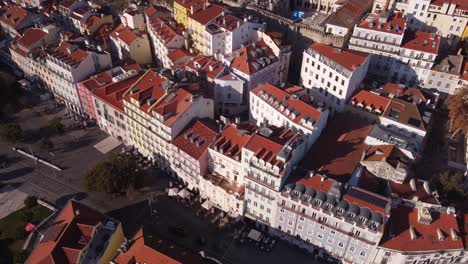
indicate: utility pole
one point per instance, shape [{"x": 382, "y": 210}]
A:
[{"x": 32, "y": 154}]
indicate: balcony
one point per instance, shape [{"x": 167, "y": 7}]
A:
[{"x": 264, "y": 194}]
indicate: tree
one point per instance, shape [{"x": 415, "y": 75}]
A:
[
  {"x": 116, "y": 174},
  {"x": 457, "y": 105},
  {"x": 30, "y": 201},
  {"x": 55, "y": 124},
  {"x": 46, "y": 144},
  {"x": 451, "y": 185},
  {"x": 11, "y": 133}
]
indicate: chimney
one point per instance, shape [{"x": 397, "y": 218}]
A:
[
  {"x": 440, "y": 234},
  {"x": 413, "y": 234},
  {"x": 424, "y": 216},
  {"x": 413, "y": 185},
  {"x": 453, "y": 234},
  {"x": 426, "y": 187},
  {"x": 77, "y": 212}
]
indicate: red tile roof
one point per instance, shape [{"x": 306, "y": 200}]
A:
[
  {"x": 339, "y": 149},
  {"x": 195, "y": 139},
  {"x": 150, "y": 11},
  {"x": 233, "y": 138},
  {"x": 179, "y": 54},
  {"x": 318, "y": 182},
  {"x": 70, "y": 54},
  {"x": 370, "y": 101},
  {"x": 388, "y": 153},
  {"x": 71, "y": 232},
  {"x": 397, "y": 90},
  {"x": 395, "y": 24},
  {"x": 250, "y": 58},
  {"x": 422, "y": 41},
  {"x": 170, "y": 104},
  {"x": 189, "y": 3},
  {"x": 125, "y": 34},
  {"x": 139, "y": 252},
  {"x": 462, "y": 5},
  {"x": 294, "y": 104},
  {"x": 265, "y": 149},
  {"x": 31, "y": 36},
  {"x": 204, "y": 16},
  {"x": 166, "y": 29},
  {"x": 207, "y": 64},
  {"x": 405, "y": 191},
  {"x": 228, "y": 22},
  {"x": 367, "y": 199},
  {"x": 398, "y": 236},
  {"x": 464, "y": 72},
  {"x": 14, "y": 16},
  {"x": 349, "y": 59},
  {"x": 110, "y": 91},
  {"x": 405, "y": 113}
]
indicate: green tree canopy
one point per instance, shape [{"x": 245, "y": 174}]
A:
[
  {"x": 116, "y": 174},
  {"x": 11, "y": 132}
]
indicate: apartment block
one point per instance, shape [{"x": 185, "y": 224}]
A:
[
  {"x": 397, "y": 53},
  {"x": 270, "y": 105},
  {"x": 332, "y": 75}
]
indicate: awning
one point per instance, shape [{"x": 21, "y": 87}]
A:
[
  {"x": 184, "y": 193},
  {"x": 207, "y": 205},
  {"x": 254, "y": 234},
  {"x": 172, "y": 192}
]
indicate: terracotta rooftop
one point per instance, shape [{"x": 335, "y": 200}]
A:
[
  {"x": 253, "y": 57},
  {"x": 462, "y": 5},
  {"x": 70, "y": 234},
  {"x": 388, "y": 153},
  {"x": 425, "y": 236},
  {"x": 195, "y": 138},
  {"x": 31, "y": 36},
  {"x": 406, "y": 191},
  {"x": 409, "y": 94},
  {"x": 367, "y": 199},
  {"x": 189, "y": 3},
  {"x": 14, "y": 16},
  {"x": 422, "y": 41},
  {"x": 294, "y": 108},
  {"x": 125, "y": 34},
  {"x": 166, "y": 29},
  {"x": 155, "y": 94},
  {"x": 405, "y": 113},
  {"x": 339, "y": 149},
  {"x": 207, "y": 64},
  {"x": 395, "y": 24},
  {"x": 144, "y": 249},
  {"x": 349, "y": 13},
  {"x": 70, "y": 54},
  {"x": 206, "y": 15},
  {"x": 110, "y": 87},
  {"x": 177, "y": 55},
  {"x": 228, "y": 22},
  {"x": 233, "y": 138},
  {"x": 349, "y": 59}
]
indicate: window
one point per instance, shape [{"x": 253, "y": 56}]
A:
[
  {"x": 341, "y": 245},
  {"x": 363, "y": 254},
  {"x": 281, "y": 219},
  {"x": 351, "y": 249},
  {"x": 330, "y": 240},
  {"x": 320, "y": 236}
]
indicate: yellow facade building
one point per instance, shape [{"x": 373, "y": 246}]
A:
[{"x": 183, "y": 9}]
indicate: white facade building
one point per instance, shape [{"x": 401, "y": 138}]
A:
[
  {"x": 166, "y": 36},
  {"x": 332, "y": 75},
  {"x": 398, "y": 55},
  {"x": 270, "y": 105},
  {"x": 69, "y": 64},
  {"x": 131, "y": 44}
]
